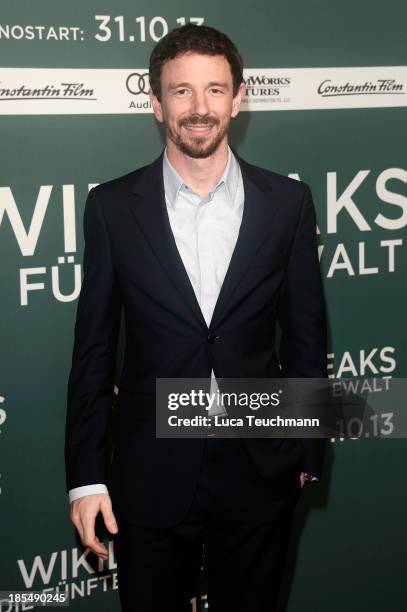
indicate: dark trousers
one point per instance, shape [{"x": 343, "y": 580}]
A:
[{"x": 237, "y": 524}]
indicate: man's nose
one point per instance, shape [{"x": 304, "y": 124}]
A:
[{"x": 200, "y": 104}]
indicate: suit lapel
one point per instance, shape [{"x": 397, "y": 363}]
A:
[
  {"x": 255, "y": 228},
  {"x": 150, "y": 211}
]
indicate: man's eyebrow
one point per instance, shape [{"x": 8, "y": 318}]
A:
[
  {"x": 173, "y": 86},
  {"x": 218, "y": 84}
]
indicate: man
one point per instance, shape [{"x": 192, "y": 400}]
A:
[{"x": 205, "y": 253}]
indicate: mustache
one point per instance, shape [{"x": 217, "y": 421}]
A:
[{"x": 199, "y": 120}]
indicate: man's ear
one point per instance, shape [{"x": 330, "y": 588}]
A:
[
  {"x": 237, "y": 100},
  {"x": 155, "y": 103}
]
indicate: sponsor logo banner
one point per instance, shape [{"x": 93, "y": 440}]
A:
[
  {"x": 325, "y": 88},
  {"x": 43, "y": 91}
]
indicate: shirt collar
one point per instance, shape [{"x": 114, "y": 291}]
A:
[{"x": 173, "y": 181}]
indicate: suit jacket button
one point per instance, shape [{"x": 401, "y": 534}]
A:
[{"x": 211, "y": 338}]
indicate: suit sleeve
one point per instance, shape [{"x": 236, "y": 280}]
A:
[
  {"x": 302, "y": 317},
  {"x": 91, "y": 380}
]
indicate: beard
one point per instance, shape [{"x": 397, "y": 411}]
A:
[{"x": 196, "y": 146}]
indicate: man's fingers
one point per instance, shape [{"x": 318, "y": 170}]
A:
[
  {"x": 83, "y": 515},
  {"x": 89, "y": 538},
  {"x": 108, "y": 516}
]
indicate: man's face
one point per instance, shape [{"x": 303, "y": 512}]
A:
[{"x": 197, "y": 102}]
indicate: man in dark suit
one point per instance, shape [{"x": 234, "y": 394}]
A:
[{"x": 205, "y": 253}]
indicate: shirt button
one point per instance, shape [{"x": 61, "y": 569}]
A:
[{"x": 211, "y": 338}]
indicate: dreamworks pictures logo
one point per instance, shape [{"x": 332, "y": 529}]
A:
[
  {"x": 268, "y": 87},
  {"x": 138, "y": 85}
]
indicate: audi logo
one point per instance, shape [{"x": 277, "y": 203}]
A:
[{"x": 137, "y": 83}]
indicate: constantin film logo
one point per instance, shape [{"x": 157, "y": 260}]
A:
[
  {"x": 270, "y": 88},
  {"x": 138, "y": 86},
  {"x": 330, "y": 88},
  {"x": 49, "y": 91}
]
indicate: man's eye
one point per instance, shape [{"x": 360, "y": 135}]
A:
[
  {"x": 216, "y": 91},
  {"x": 181, "y": 92}
]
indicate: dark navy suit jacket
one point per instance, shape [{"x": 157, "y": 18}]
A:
[{"x": 132, "y": 265}]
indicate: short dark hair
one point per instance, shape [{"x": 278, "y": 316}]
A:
[{"x": 192, "y": 38}]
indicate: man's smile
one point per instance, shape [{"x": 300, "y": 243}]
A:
[{"x": 201, "y": 129}]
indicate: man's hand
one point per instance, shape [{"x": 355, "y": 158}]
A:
[
  {"x": 302, "y": 478},
  {"x": 83, "y": 513}
]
